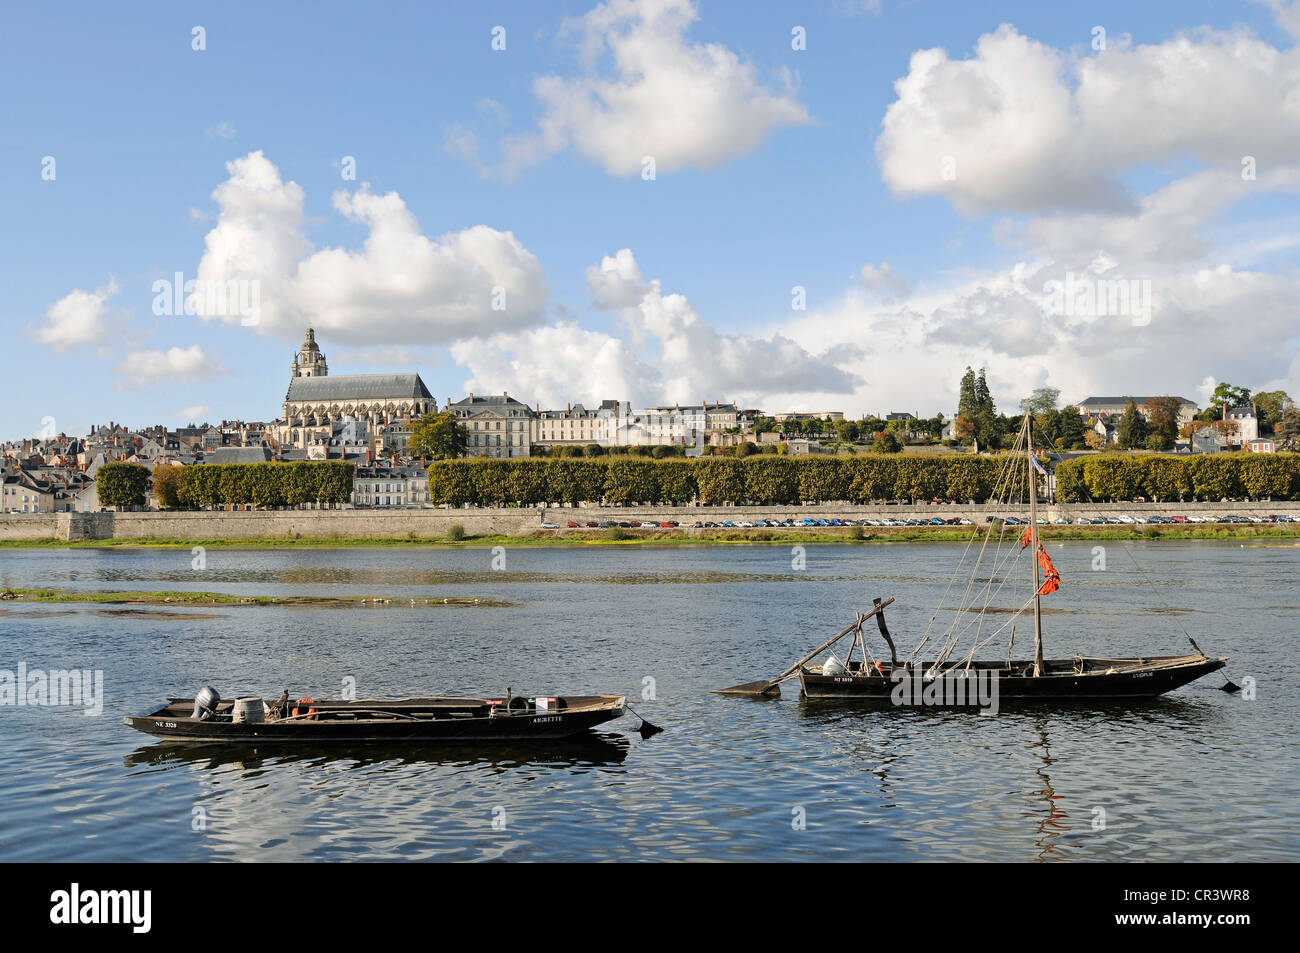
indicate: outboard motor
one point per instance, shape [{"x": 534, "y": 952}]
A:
[{"x": 205, "y": 703}]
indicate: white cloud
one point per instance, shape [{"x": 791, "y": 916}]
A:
[
  {"x": 1205, "y": 322},
  {"x": 691, "y": 362},
  {"x": 1286, "y": 14},
  {"x": 222, "y": 130},
  {"x": 399, "y": 287},
  {"x": 883, "y": 279},
  {"x": 79, "y": 317},
  {"x": 141, "y": 369},
  {"x": 1030, "y": 128},
  {"x": 403, "y": 357},
  {"x": 1035, "y": 130},
  {"x": 645, "y": 90},
  {"x": 194, "y": 414},
  {"x": 258, "y": 237},
  {"x": 558, "y": 365},
  {"x": 616, "y": 282},
  {"x": 855, "y": 8},
  {"x": 698, "y": 362}
]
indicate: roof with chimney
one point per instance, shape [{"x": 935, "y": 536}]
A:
[{"x": 501, "y": 404}]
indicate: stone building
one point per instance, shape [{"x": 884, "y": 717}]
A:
[
  {"x": 316, "y": 401},
  {"x": 499, "y": 426},
  {"x": 1115, "y": 407}
]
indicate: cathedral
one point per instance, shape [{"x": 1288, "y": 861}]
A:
[{"x": 316, "y": 402}]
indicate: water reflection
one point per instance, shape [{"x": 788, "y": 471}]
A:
[{"x": 573, "y": 754}]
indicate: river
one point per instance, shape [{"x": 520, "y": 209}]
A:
[{"x": 1197, "y": 775}]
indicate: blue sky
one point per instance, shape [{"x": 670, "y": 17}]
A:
[{"x": 786, "y": 177}]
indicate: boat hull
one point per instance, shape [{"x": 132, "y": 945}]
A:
[
  {"x": 444, "y": 723},
  {"x": 1066, "y": 680}
]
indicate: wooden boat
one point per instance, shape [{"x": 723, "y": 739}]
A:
[
  {"x": 953, "y": 677},
  {"x": 1080, "y": 677},
  {"x": 437, "y": 719}
]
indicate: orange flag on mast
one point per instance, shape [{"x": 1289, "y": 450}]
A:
[{"x": 1051, "y": 578}]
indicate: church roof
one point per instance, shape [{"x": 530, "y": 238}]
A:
[
  {"x": 358, "y": 387},
  {"x": 238, "y": 455}
]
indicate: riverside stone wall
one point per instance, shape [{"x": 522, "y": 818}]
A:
[{"x": 437, "y": 523}]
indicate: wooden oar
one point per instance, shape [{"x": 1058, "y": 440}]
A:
[{"x": 772, "y": 687}]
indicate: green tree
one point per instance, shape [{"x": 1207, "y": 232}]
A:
[
  {"x": 888, "y": 441},
  {"x": 1047, "y": 427},
  {"x": 1071, "y": 429},
  {"x": 1071, "y": 484},
  {"x": 984, "y": 418},
  {"x": 677, "y": 481},
  {"x": 121, "y": 484},
  {"x": 872, "y": 478},
  {"x": 1165, "y": 479},
  {"x": 967, "y": 402},
  {"x": 720, "y": 479},
  {"x": 771, "y": 480},
  {"x": 1270, "y": 405},
  {"x": 438, "y": 437},
  {"x": 1266, "y": 476},
  {"x": 1162, "y": 421},
  {"x": 1215, "y": 476},
  {"x": 1287, "y": 429},
  {"x": 1112, "y": 478},
  {"x": 451, "y": 482},
  {"x": 823, "y": 480},
  {"x": 1042, "y": 400},
  {"x": 1229, "y": 394},
  {"x": 632, "y": 481},
  {"x": 1132, "y": 430},
  {"x": 166, "y": 487}
]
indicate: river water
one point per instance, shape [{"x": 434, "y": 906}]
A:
[{"x": 1197, "y": 775}]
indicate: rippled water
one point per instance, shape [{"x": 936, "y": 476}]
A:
[{"x": 1197, "y": 775}]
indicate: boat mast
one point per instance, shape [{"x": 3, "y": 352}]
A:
[{"x": 1033, "y": 536}]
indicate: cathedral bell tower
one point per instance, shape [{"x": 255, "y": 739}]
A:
[{"x": 309, "y": 361}]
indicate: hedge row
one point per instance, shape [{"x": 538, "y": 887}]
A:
[
  {"x": 757, "y": 480},
  {"x": 261, "y": 484},
  {"x": 1206, "y": 476}
]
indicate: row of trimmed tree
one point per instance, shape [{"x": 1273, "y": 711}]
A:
[
  {"x": 1158, "y": 477},
  {"x": 760, "y": 480},
  {"x": 324, "y": 482}
]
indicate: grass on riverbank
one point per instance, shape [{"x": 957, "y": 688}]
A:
[
  {"x": 167, "y": 597},
  {"x": 691, "y": 537}
]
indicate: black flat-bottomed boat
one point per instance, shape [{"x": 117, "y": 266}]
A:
[
  {"x": 1079, "y": 678},
  {"x": 513, "y": 718}
]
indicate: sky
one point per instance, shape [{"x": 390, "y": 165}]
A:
[{"x": 827, "y": 205}]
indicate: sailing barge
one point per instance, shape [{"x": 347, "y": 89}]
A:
[
  {"x": 936, "y": 678},
  {"x": 208, "y": 718}
]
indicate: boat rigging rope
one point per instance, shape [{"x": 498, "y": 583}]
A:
[
  {"x": 1008, "y": 479},
  {"x": 1142, "y": 575},
  {"x": 1003, "y": 485}
]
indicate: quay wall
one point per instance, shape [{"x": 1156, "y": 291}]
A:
[{"x": 509, "y": 521}]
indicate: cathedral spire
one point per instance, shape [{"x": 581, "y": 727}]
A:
[{"x": 310, "y": 362}]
